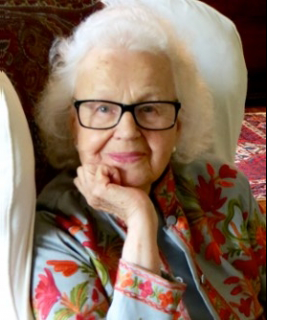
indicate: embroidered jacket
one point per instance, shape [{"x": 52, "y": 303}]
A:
[{"x": 210, "y": 213}]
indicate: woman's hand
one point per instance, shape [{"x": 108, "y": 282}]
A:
[{"x": 101, "y": 186}]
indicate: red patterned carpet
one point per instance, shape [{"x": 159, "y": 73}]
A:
[{"x": 251, "y": 152}]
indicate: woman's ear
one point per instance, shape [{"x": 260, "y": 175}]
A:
[
  {"x": 57, "y": 51},
  {"x": 178, "y": 129}
]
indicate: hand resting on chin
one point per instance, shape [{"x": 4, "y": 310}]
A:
[{"x": 101, "y": 187}]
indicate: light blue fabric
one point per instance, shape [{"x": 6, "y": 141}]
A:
[
  {"x": 73, "y": 238},
  {"x": 178, "y": 264}
]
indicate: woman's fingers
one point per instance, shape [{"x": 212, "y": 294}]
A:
[
  {"x": 93, "y": 181},
  {"x": 101, "y": 186},
  {"x": 90, "y": 168},
  {"x": 81, "y": 176},
  {"x": 77, "y": 184},
  {"x": 107, "y": 175},
  {"x": 102, "y": 176},
  {"x": 115, "y": 177}
]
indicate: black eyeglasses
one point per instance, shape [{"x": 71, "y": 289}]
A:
[{"x": 149, "y": 115}]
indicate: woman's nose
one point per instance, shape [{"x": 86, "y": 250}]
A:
[{"x": 127, "y": 127}]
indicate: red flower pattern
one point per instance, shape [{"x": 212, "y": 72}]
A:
[
  {"x": 231, "y": 280},
  {"x": 225, "y": 314},
  {"x": 225, "y": 184},
  {"x": 213, "y": 252},
  {"x": 248, "y": 267},
  {"x": 245, "y": 306},
  {"x": 245, "y": 215},
  {"x": 261, "y": 236},
  {"x": 71, "y": 223},
  {"x": 83, "y": 317},
  {"x": 95, "y": 295},
  {"x": 210, "y": 170},
  {"x": 91, "y": 235},
  {"x": 212, "y": 293},
  {"x": 98, "y": 290},
  {"x": 218, "y": 236},
  {"x": 226, "y": 172},
  {"x": 236, "y": 290},
  {"x": 209, "y": 196},
  {"x": 46, "y": 294},
  {"x": 146, "y": 289},
  {"x": 176, "y": 315}
]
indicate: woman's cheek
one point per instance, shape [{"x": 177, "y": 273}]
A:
[{"x": 91, "y": 141}]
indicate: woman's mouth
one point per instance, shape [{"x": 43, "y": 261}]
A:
[{"x": 126, "y": 157}]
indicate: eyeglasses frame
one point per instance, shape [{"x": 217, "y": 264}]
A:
[{"x": 127, "y": 108}]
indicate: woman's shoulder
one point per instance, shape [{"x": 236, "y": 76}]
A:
[
  {"x": 58, "y": 191},
  {"x": 209, "y": 177},
  {"x": 208, "y": 166},
  {"x": 61, "y": 205}
]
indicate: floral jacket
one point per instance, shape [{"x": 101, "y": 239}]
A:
[{"x": 210, "y": 213}]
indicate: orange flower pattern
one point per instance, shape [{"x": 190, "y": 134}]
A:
[
  {"x": 68, "y": 268},
  {"x": 148, "y": 288},
  {"x": 166, "y": 298}
]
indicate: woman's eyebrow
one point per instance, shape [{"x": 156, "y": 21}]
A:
[
  {"x": 151, "y": 94},
  {"x": 104, "y": 93}
]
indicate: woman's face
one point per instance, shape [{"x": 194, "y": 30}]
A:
[{"x": 126, "y": 77}]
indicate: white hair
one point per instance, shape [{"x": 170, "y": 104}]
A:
[{"x": 132, "y": 27}]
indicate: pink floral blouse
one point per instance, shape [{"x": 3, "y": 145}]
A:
[{"x": 210, "y": 214}]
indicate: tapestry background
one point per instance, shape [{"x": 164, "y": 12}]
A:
[{"x": 27, "y": 30}]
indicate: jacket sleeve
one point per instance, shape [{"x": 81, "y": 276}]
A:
[
  {"x": 69, "y": 282},
  {"x": 140, "y": 294}
]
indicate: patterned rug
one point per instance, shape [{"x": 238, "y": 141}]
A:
[{"x": 251, "y": 152}]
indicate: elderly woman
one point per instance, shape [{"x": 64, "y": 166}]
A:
[{"x": 139, "y": 225}]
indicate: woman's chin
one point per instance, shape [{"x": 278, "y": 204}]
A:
[{"x": 141, "y": 181}]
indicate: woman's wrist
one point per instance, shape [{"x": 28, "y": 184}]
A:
[
  {"x": 140, "y": 246},
  {"x": 145, "y": 217}
]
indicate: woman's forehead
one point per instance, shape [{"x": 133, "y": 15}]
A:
[{"x": 122, "y": 69}]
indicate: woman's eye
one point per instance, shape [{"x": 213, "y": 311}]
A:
[
  {"x": 103, "y": 109},
  {"x": 148, "y": 109}
]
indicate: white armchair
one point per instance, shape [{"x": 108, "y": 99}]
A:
[{"x": 17, "y": 205}]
